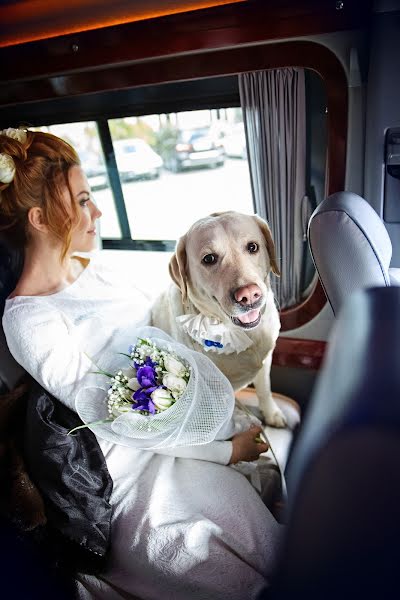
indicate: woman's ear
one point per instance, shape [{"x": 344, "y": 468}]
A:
[{"x": 35, "y": 219}]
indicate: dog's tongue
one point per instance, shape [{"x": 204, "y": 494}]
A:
[{"x": 249, "y": 317}]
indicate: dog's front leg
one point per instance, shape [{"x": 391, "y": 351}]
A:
[{"x": 262, "y": 382}]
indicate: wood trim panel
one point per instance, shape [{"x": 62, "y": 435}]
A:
[
  {"x": 250, "y": 22},
  {"x": 179, "y": 68},
  {"x": 31, "y": 20},
  {"x": 300, "y": 314},
  {"x": 299, "y": 353}
]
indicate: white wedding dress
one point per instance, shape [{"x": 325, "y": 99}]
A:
[{"x": 185, "y": 526}]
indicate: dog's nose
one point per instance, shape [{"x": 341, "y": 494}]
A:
[{"x": 248, "y": 294}]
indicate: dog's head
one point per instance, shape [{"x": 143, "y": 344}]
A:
[{"x": 222, "y": 264}]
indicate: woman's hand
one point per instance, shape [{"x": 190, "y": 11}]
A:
[{"x": 246, "y": 447}]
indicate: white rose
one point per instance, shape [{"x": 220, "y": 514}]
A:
[
  {"x": 162, "y": 398},
  {"x": 174, "y": 366},
  {"x": 177, "y": 385},
  {"x": 7, "y": 168},
  {"x": 15, "y": 134},
  {"x": 133, "y": 384}
]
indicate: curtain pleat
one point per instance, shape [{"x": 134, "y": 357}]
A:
[{"x": 273, "y": 104}]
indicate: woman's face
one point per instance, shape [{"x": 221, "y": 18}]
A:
[{"x": 84, "y": 235}]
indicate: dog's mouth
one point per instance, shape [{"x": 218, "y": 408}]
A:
[{"x": 248, "y": 320}]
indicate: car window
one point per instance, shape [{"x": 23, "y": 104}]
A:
[{"x": 180, "y": 168}]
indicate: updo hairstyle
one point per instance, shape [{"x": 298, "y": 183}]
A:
[{"x": 42, "y": 163}]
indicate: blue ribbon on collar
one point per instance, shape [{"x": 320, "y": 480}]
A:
[{"x": 210, "y": 343}]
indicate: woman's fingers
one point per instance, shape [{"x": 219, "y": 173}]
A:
[
  {"x": 246, "y": 445},
  {"x": 259, "y": 445},
  {"x": 262, "y": 447}
]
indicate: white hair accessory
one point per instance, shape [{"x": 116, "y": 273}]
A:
[
  {"x": 7, "y": 168},
  {"x": 15, "y": 134}
]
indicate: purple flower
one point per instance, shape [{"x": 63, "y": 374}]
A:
[
  {"x": 147, "y": 363},
  {"x": 152, "y": 407},
  {"x": 142, "y": 406},
  {"x": 140, "y": 396},
  {"x": 143, "y": 399},
  {"x": 146, "y": 376}
]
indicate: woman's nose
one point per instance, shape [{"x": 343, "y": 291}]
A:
[{"x": 96, "y": 213}]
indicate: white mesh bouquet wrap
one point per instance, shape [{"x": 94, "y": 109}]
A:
[{"x": 202, "y": 414}]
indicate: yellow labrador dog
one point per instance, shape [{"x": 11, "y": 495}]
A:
[{"x": 222, "y": 303}]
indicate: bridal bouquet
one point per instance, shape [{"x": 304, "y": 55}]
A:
[
  {"x": 153, "y": 382},
  {"x": 165, "y": 395}
]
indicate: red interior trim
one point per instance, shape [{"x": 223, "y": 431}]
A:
[
  {"x": 294, "y": 352},
  {"x": 223, "y": 27},
  {"x": 32, "y": 20}
]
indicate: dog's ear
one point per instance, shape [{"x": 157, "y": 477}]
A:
[
  {"x": 177, "y": 267},
  {"x": 263, "y": 225}
]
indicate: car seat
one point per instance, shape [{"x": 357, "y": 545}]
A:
[
  {"x": 350, "y": 247},
  {"x": 343, "y": 522}
]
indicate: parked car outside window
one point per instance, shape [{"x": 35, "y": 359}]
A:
[
  {"x": 94, "y": 169},
  {"x": 137, "y": 160},
  {"x": 235, "y": 142},
  {"x": 196, "y": 148}
]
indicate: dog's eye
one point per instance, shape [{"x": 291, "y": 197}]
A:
[
  {"x": 252, "y": 247},
  {"x": 210, "y": 259}
]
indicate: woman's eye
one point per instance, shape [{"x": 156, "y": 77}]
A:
[
  {"x": 252, "y": 247},
  {"x": 84, "y": 202},
  {"x": 210, "y": 259}
]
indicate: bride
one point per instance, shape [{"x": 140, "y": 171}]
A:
[{"x": 184, "y": 524}]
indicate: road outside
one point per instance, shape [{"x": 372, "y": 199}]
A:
[{"x": 165, "y": 208}]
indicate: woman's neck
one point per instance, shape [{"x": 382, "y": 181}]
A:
[{"x": 44, "y": 274}]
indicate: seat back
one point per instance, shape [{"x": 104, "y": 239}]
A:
[
  {"x": 11, "y": 263},
  {"x": 343, "y": 525},
  {"x": 350, "y": 246},
  {"x": 10, "y": 268}
]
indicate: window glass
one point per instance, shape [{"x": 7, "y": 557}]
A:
[
  {"x": 176, "y": 168},
  {"x": 85, "y": 139}
]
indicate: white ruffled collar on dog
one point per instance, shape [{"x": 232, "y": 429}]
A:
[{"x": 213, "y": 335}]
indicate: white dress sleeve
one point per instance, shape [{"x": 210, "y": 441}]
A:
[
  {"x": 38, "y": 338},
  {"x": 217, "y": 451}
]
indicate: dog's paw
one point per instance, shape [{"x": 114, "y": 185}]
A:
[{"x": 274, "y": 417}]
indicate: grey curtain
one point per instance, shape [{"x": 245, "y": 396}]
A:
[{"x": 273, "y": 104}]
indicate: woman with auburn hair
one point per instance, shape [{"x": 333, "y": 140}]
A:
[
  {"x": 180, "y": 527},
  {"x": 42, "y": 161}
]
